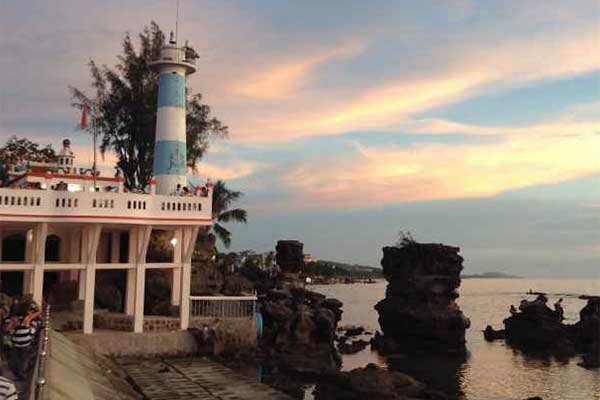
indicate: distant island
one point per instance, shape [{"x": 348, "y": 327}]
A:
[
  {"x": 328, "y": 272},
  {"x": 491, "y": 275}
]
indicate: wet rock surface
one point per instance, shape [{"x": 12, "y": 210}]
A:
[
  {"x": 372, "y": 382},
  {"x": 419, "y": 312}
]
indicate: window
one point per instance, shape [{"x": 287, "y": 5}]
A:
[
  {"x": 106, "y": 203},
  {"x": 168, "y": 206},
  {"x": 112, "y": 204},
  {"x": 18, "y": 201},
  {"x": 69, "y": 203},
  {"x": 32, "y": 201},
  {"x": 135, "y": 205},
  {"x": 94, "y": 203},
  {"x": 12, "y": 200},
  {"x": 38, "y": 201},
  {"x": 162, "y": 206},
  {"x": 199, "y": 206},
  {"x": 57, "y": 202},
  {"x": 63, "y": 202},
  {"x": 76, "y": 201},
  {"x": 129, "y": 204}
]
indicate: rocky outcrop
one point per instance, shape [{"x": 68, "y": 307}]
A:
[
  {"x": 538, "y": 330},
  {"x": 299, "y": 330},
  {"x": 290, "y": 255},
  {"x": 419, "y": 311},
  {"x": 372, "y": 382}
]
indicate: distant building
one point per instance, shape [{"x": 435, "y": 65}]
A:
[{"x": 309, "y": 258}]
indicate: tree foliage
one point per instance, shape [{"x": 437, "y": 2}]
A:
[
  {"x": 126, "y": 102},
  {"x": 22, "y": 150},
  {"x": 223, "y": 198}
]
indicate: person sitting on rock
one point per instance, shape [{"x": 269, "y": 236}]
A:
[
  {"x": 558, "y": 308},
  {"x": 524, "y": 304},
  {"x": 541, "y": 299},
  {"x": 513, "y": 310}
]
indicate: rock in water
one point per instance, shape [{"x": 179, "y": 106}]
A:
[
  {"x": 537, "y": 329},
  {"x": 419, "y": 311},
  {"x": 372, "y": 382},
  {"x": 290, "y": 255}
]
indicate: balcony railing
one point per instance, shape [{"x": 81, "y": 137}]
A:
[
  {"x": 50, "y": 204},
  {"x": 222, "y": 306}
]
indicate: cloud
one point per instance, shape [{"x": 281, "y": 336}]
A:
[
  {"x": 232, "y": 171},
  {"x": 283, "y": 79},
  {"x": 477, "y": 70},
  {"x": 383, "y": 175}
]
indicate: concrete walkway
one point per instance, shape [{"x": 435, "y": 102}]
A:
[{"x": 195, "y": 379}]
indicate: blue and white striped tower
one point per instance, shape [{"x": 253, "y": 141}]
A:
[{"x": 170, "y": 147}]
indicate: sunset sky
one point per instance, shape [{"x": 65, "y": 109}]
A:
[{"x": 473, "y": 123}]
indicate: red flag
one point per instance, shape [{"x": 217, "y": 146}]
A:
[{"x": 84, "y": 113}]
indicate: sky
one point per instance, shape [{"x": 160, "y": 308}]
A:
[{"x": 468, "y": 122}]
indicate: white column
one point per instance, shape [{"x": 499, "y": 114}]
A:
[
  {"x": 40, "y": 234},
  {"x": 190, "y": 234},
  {"x": 74, "y": 253},
  {"x": 93, "y": 237},
  {"x": 115, "y": 245},
  {"x": 143, "y": 238},
  {"x": 28, "y": 275},
  {"x": 131, "y": 260},
  {"x": 83, "y": 244},
  {"x": 176, "y": 272}
]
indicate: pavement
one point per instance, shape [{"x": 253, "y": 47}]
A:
[{"x": 197, "y": 378}]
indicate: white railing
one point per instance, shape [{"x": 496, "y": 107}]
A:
[
  {"x": 50, "y": 204},
  {"x": 222, "y": 306}
]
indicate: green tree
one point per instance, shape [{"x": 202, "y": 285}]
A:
[
  {"x": 22, "y": 150},
  {"x": 223, "y": 198},
  {"x": 126, "y": 98}
]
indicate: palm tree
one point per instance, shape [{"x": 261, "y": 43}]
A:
[{"x": 222, "y": 200}]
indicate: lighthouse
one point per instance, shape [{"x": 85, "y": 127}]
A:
[{"x": 173, "y": 66}]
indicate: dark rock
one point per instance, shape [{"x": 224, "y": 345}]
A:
[
  {"x": 536, "y": 329},
  {"x": 354, "y": 331},
  {"x": 352, "y": 347},
  {"x": 490, "y": 334},
  {"x": 419, "y": 311},
  {"x": 290, "y": 255},
  {"x": 299, "y": 330},
  {"x": 372, "y": 382}
]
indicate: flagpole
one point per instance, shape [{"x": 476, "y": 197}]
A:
[{"x": 94, "y": 129}]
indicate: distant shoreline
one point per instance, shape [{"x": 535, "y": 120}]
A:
[{"x": 491, "y": 275}]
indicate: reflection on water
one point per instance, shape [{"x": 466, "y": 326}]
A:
[{"x": 491, "y": 371}]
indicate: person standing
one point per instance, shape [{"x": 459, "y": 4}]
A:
[
  {"x": 558, "y": 308},
  {"x": 8, "y": 391},
  {"x": 22, "y": 339}
]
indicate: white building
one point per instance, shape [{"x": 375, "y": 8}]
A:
[{"x": 74, "y": 232}]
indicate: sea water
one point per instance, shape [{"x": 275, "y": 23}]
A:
[{"x": 491, "y": 371}]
